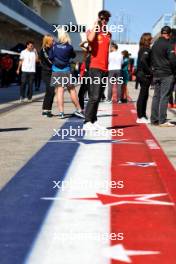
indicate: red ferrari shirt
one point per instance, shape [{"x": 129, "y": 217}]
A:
[{"x": 100, "y": 51}]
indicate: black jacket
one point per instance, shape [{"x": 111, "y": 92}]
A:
[
  {"x": 45, "y": 61},
  {"x": 144, "y": 62},
  {"x": 163, "y": 58}
]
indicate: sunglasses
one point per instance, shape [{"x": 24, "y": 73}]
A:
[{"x": 104, "y": 18}]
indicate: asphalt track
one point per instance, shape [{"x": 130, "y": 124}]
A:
[{"x": 31, "y": 208}]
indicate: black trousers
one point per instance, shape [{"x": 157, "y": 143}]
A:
[
  {"x": 27, "y": 78},
  {"x": 83, "y": 89},
  {"x": 49, "y": 92},
  {"x": 96, "y": 90},
  {"x": 145, "y": 83}
]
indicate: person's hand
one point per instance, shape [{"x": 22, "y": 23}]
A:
[
  {"x": 96, "y": 23},
  {"x": 18, "y": 71},
  {"x": 96, "y": 27}
]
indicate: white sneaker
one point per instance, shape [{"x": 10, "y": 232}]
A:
[
  {"x": 99, "y": 127},
  {"x": 89, "y": 126},
  {"x": 21, "y": 100},
  {"x": 142, "y": 120},
  {"x": 167, "y": 124}
]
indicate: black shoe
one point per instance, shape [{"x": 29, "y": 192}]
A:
[
  {"x": 124, "y": 101},
  {"x": 47, "y": 114}
]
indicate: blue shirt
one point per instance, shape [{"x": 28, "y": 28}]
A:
[{"x": 61, "y": 53}]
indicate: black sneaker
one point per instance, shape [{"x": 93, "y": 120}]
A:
[
  {"x": 44, "y": 113},
  {"x": 47, "y": 113}
]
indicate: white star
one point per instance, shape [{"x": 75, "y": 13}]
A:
[{"x": 118, "y": 252}]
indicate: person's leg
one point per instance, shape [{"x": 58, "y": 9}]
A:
[
  {"x": 104, "y": 85},
  {"x": 38, "y": 81},
  {"x": 120, "y": 87},
  {"x": 171, "y": 97},
  {"x": 110, "y": 85},
  {"x": 166, "y": 87},
  {"x": 143, "y": 97},
  {"x": 156, "y": 101},
  {"x": 81, "y": 94},
  {"x": 23, "y": 85},
  {"x": 124, "y": 92},
  {"x": 94, "y": 95},
  {"x": 74, "y": 97},
  {"x": 49, "y": 94},
  {"x": 136, "y": 84},
  {"x": 31, "y": 77},
  {"x": 60, "y": 99}
]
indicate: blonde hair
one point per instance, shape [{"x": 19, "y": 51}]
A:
[
  {"x": 63, "y": 36},
  {"x": 46, "y": 41}
]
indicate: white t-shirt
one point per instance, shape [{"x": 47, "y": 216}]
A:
[
  {"x": 28, "y": 60},
  {"x": 115, "y": 60}
]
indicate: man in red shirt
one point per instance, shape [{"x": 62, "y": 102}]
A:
[{"x": 99, "y": 39}]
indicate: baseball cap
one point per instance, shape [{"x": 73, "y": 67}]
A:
[{"x": 166, "y": 30}]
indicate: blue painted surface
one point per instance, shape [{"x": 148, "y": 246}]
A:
[{"x": 22, "y": 212}]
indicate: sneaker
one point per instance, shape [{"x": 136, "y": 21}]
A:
[
  {"x": 61, "y": 115},
  {"x": 156, "y": 123},
  {"x": 44, "y": 113},
  {"x": 99, "y": 127},
  {"x": 79, "y": 114},
  {"x": 124, "y": 101},
  {"x": 21, "y": 100},
  {"x": 142, "y": 120},
  {"x": 89, "y": 127},
  {"x": 47, "y": 113},
  {"x": 119, "y": 102},
  {"x": 29, "y": 100},
  {"x": 167, "y": 124},
  {"x": 109, "y": 101}
]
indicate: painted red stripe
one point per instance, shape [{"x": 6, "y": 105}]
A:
[{"x": 145, "y": 227}]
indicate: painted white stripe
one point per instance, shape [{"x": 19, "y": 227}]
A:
[{"x": 81, "y": 222}]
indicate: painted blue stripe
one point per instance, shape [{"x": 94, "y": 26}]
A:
[{"x": 22, "y": 212}]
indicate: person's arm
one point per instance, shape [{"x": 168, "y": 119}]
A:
[
  {"x": 73, "y": 53},
  {"x": 21, "y": 59},
  {"x": 172, "y": 58},
  {"x": 82, "y": 44},
  {"x": 19, "y": 66},
  {"x": 124, "y": 63},
  {"x": 92, "y": 33},
  {"x": 144, "y": 61},
  {"x": 45, "y": 57},
  {"x": 51, "y": 53},
  {"x": 36, "y": 55}
]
